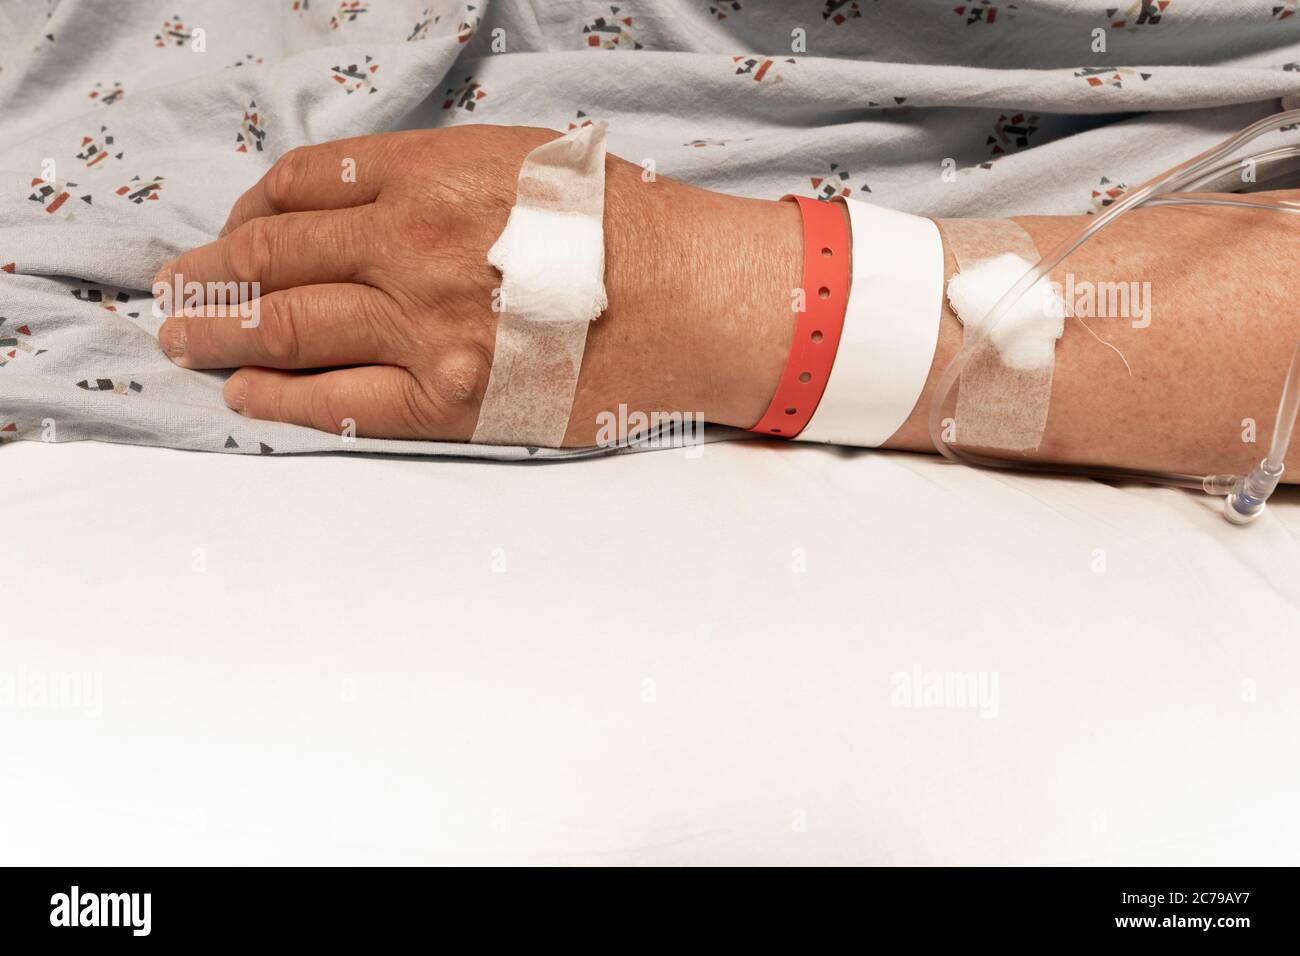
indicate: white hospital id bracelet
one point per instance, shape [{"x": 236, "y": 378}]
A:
[{"x": 891, "y": 328}]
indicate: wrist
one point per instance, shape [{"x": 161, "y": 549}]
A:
[
  {"x": 757, "y": 319},
  {"x": 749, "y": 305},
  {"x": 700, "y": 316},
  {"x": 735, "y": 320}
]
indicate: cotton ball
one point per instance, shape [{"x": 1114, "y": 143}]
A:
[
  {"x": 1025, "y": 337},
  {"x": 552, "y": 265}
]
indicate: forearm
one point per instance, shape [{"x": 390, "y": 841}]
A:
[
  {"x": 700, "y": 320},
  {"x": 1210, "y": 362}
]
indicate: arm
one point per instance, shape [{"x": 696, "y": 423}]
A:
[
  {"x": 1211, "y": 353},
  {"x": 387, "y": 275}
]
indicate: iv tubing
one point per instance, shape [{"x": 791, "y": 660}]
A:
[{"x": 1246, "y": 494}]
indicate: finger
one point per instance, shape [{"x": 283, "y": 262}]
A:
[
  {"x": 379, "y": 401},
  {"x": 328, "y": 176},
  {"x": 268, "y": 255},
  {"x": 305, "y": 327}
]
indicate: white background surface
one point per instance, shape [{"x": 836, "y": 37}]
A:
[{"x": 651, "y": 679}]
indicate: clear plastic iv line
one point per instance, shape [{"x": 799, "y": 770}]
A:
[{"x": 1245, "y": 494}]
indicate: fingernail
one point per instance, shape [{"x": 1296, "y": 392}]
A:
[
  {"x": 172, "y": 337},
  {"x": 236, "y": 392}
]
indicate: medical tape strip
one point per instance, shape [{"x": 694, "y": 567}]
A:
[
  {"x": 1006, "y": 385},
  {"x": 551, "y": 256}
]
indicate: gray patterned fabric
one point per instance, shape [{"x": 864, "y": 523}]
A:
[{"x": 129, "y": 129}]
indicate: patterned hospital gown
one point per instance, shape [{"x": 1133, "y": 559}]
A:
[{"x": 127, "y": 133}]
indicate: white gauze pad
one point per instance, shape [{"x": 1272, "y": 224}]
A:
[
  {"x": 1006, "y": 385},
  {"x": 1026, "y": 335},
  {"x": 551, "y": 256}
]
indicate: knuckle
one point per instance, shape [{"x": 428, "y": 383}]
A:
[
  {"x": 284, "y": 177},
  {"x": 249, "y": 250},
  {"x": 328, "y": 407},
  {"x": 415, "y": 410},
  {"x": 383, "y": 320},
  {"x": 460, "y": 379},
  {"x": 442, "y": 400},
  {"x": 280, "y": 330},
  {"x": 348, "y": 242}
]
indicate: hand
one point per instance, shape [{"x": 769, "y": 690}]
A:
[{"x": 383, "y": 284}]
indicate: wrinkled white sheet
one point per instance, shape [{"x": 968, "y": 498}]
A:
[{"x": 648, "y": 679}]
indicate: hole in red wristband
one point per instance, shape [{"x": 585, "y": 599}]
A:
[
  {"x": 775, "y": 431},
  {"x": 791, "y": 411},
  {"x": 824, "y": 292},
  {"x": 817, "y": 336},
  {"x": 805, "y": 376},
  {"x": 826, "y": 251}
]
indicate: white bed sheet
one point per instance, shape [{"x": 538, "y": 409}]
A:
[{"x": 355, "y": 676}]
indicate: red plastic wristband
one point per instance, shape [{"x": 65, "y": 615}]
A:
[{"x": 817, "y": 329}]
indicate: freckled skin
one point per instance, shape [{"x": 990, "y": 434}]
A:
[
  {"x": 376, "y": 304},
  {"x": 1223, "y": 326}
]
